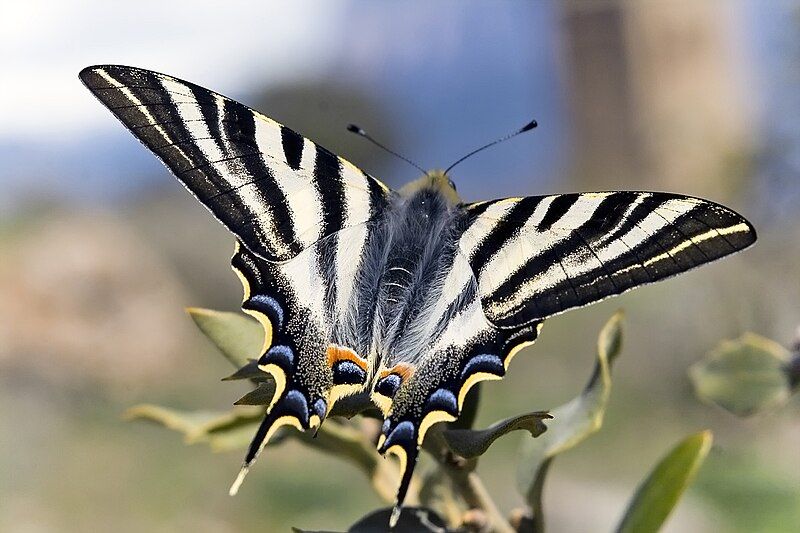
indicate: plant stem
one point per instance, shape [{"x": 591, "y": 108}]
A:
[{"x": 467, "y": 483}]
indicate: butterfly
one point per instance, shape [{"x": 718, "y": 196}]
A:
[{"x": 409, "y": 296}]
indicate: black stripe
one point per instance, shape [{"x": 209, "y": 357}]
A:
[
  {"x": 208, "y": 111},
  {"x": 503, "y": 230},
  {"x": 241, "y": 126},
  {"x": 177, "y": 131},
  {"x": 610, "y": 210},
  {"x": 325, "y": 251},
  {"x": 377, "y": 196},
  {"x": 293, "y": 147},
  {"x": 557, "y": 209},
  {"x": 473, "y": 211},
  {"x": 639, "y": 213},
  {"x": 330, "y": 185}
]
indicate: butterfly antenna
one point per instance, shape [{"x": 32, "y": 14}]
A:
[
  {"x": 527, "y": 127},
  {"x": 359, "y": 131}
]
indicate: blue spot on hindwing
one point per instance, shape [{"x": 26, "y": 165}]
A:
[
  {"x": 294, "y": 403},
  {"x": 348, "y": 373},
  {"x": 281, "y": 355},
  {"x": 269, "y": 306},
  {"x": 388, "y": 385},
  {"x": 320, "y": 408},
  {"x": 402, "y": 434},
  {"x": 483, "y": 363},
  {"x": 443, "y": 400}
]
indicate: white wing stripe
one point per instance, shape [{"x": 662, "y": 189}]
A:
[
  {"x": 142, "y": 109},
  {"x": 478, "y": 231}
]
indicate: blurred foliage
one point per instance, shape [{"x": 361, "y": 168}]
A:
[
  {"x": 755, "y": 498},
  {"x": 746, "y": 376},
  {"x": 453, "y": 493}
]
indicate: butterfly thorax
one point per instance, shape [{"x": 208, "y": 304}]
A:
[{"x": 417, "y": 241}]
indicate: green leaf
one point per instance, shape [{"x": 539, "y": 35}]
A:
[
  {"x": 660, "y": 491},
  {"x": 261, "y": 395},
  {"x": 222, "y": 431},
  {"x": 572, "y": 422},
  {"x": 238, "y": 338},
  {"x": 249, "y": 371},
  {"x": 744, "y": 376},
  {"x": 470, "y": 443}
]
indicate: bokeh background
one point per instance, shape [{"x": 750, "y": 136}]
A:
[{"x": 100, "y": 249}]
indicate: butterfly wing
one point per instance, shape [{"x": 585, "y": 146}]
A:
[
  {"x": 521, "y": 260},
  {"x": 542, "y": 255},
  {"x": 302, "y": 217},
  {"x": 276, "y": 191}
]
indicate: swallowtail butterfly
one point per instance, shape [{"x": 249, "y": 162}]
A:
[{"x": 411, "y": 296}]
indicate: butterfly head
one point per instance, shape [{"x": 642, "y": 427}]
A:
[{"x": 436, "y": 181}]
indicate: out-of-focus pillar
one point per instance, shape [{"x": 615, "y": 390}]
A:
[{"x": 657, "y": 92}]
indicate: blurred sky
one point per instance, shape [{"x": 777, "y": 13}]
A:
[
  {"x": 485, "y": 70},
  {"x": 454, "y": 75}
]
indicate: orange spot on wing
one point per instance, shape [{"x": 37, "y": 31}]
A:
[
  {"x": 404, "y": 370},
  {"x": 337, "y": 353}
]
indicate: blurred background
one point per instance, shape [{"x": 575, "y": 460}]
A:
[{"x": 100, "y": 249}]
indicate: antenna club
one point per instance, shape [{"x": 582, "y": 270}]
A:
[
  {"x": 356, "y": 129},
  {"x": 529, "y": 126}
]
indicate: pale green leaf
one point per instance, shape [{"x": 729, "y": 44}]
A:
[
  {"x": 660, "y": 491},
  {"x": 744, "y": 376},
  {"x": 470, "y": 443},
  {"x": 261, "y": 395},
  {"x": 217, "y": 428},
  {"x": 238, "y": 337}
]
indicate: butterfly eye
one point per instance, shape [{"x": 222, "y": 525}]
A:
[{"x": 453, "y": 185}]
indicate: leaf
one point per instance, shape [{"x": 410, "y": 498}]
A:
[
  {"x": 222, "y": 431},
  {"x": 660, "y": 491},
  {"x": 261, "y": 395},
  {"x": 470, "y": 443},
  {"x": 239, "y": 438},
  {"x": 573, "y": 421},
  {"x": 744, "y": 376},
  {"x": 249, "y": 371},
  {"x": 238, "y": 338}
]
